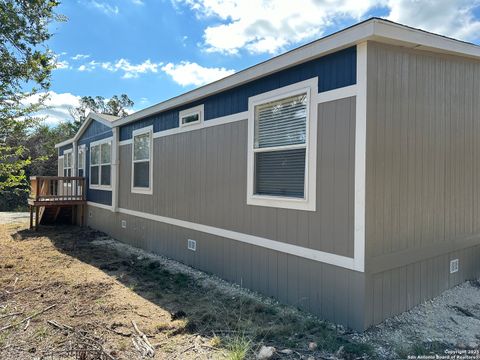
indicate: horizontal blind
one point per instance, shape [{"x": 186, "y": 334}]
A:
[
  {"x": 281, "y": 123},
  {"x": 280, "y": 173}
]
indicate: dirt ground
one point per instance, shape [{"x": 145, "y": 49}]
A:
[
  {"x": 90, "y": 292},
  {"x": 83, "y": 291}
]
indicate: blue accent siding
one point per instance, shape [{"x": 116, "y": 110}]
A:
[
  {"x": 62, "y": 149},
  {"x": 95, "y": 131},
  {"x": 334, "y": 71}
]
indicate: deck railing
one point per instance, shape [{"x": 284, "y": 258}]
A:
[{"x": 57, "y": 188}]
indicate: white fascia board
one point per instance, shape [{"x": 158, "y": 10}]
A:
[
  {"x": 335, "y": 42},
  {"x": 88, "y": 120},
  {"x": 397, "y": 34},
  {"x": 63, "y": 143},
  {"x": 373, "y": 29}
]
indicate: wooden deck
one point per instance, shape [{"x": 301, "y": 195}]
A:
[{"x": 50, "y": 194}]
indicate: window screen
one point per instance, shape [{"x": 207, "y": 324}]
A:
[
  {"x": 67, "y": 164},
  {"x": 192, "y": 118},
  {"x": 100, "y": 164},
  {"x": 280, "y": 147},
  {"x": 141, "y": 160},
  {"x": 81, "y": 161},
  {"x": 95, "y": 165}
]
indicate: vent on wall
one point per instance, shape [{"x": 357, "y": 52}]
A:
[
  {"x": 90, "y": 213},
  {"x": 192, "y": 245},
  {"x": 453, "y": 266},
  {"x": 124, "y": 224}
]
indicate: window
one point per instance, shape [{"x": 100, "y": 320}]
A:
[
  {"x": 100, "y": 164},
  {"x": 282, "y": 147},
  {"x": 191, "y": 116},
  {"x": 81, "y": 160},
  {"x": 142, "y": 161},
  {"x": 67, "y": 163}
]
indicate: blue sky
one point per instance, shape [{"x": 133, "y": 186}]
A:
[{"x": 153, "y": 50}]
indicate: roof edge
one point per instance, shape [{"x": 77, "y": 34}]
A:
[
  {"x": 91, "y": 116},
  {"x": 375, "y": 28}
]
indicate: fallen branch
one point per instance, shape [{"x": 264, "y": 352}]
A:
[
  {"x": 12, "y": 314},
  {"x": 59, "y": 326},
  {"x": 28, "y": 318},
  {"x": 119, "y": 332},
  {"x": 141, "y": 342}
]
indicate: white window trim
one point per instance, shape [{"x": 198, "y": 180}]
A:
[
  {"x": 141, "y": 190},
  {"x": 83, "y": 149},
  {"x": 308, "y": 203},
  {"x": 69, "y": 151},
  {"x": 192, "y": 111},
  {"x": 99, "y": 186}
]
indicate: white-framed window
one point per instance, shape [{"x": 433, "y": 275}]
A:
[
  {"x": 101, "y": 164},
  {"x": 142, "y": 166},
  {"x": 67, "y": 162},
  {"x": 282, "y": 147},
  {"x": 192, "y": 116},
  {"x": 81, "y": 160}
]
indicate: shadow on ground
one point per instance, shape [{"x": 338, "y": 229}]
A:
[{"x": 239, "y": 322}]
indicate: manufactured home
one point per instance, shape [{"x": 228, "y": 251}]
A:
[{"x": 342, "y": 177}]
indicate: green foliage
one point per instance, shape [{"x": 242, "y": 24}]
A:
[
  {"x": 238, "y": 347},
  {"x": 115, "y": 106},
  {"x": 25, "y": 68}
]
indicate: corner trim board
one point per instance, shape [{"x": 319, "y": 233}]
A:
[
  {"x": 360, "y": 158},
  {"x": 311, "y": 254}
]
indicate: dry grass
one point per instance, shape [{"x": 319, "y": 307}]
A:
[{"x": 98, "y": 291}]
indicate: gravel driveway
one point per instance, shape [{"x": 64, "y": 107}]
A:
[{"x": 14, "y": 217}]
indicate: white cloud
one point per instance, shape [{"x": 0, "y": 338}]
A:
[
  {"x": 454, "y": 18},
  {"x": 88, "y": 66},
  {"x": 128, "y": 69},
  {"x": 133, "y": 71},
  {"x": 138, "y": 2},
  {"x": 104, "y": 7},
  {"x": 62, "y": 65},
  {"x": 187, "y": 73},
  {"x": 57, "y": 106},
  {"x": 80, "y": 57},
  {"x": 268, "y": 26}
]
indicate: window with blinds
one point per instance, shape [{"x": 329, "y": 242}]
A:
[{"x": 280, "y": 146}]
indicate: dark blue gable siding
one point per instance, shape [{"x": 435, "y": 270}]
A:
[
  {"x": 62, "y": 149},
  {"x": 334, "y": 71},
  {"x": 95, "y": 131}
]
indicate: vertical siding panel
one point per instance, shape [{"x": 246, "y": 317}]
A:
[{"x": 378, "y": 298}]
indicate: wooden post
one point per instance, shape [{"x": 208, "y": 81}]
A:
[
  {"x": 82, "y": 215},
  {"x": 36, "y": 217},
  {"x": 31, "y": 217},
  {"x": 37, "y": 189}
]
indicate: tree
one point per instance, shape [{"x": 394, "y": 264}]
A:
[
  {"x": 116, "y": 106},
  {"x": 25, "y": 68}
]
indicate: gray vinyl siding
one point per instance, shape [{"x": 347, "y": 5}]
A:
[
  {"x": 330, "y": 292},
  {"x": 394, "y": 291},
  {"x": 422, "y": 176},
  {"x": 201, "y": 176},
  {"x": 423, "y": 152}
]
